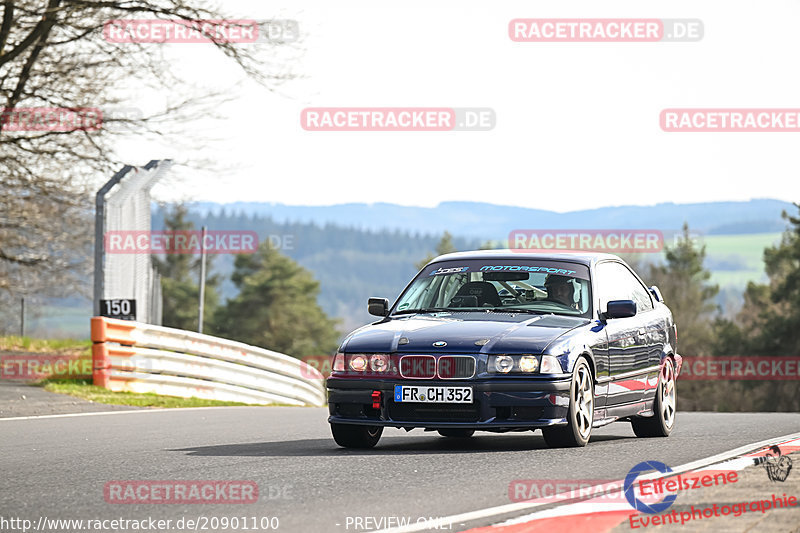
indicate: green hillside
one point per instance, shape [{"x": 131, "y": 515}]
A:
[{"x": 736, "y": 259}]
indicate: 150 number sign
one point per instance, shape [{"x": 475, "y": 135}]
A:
[{"x": 118, "y": 308}]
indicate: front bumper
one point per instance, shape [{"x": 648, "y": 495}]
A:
[{"x": 498, "y": 405}]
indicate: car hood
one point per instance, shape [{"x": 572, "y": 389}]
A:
[{"x": 463, "y": 332}]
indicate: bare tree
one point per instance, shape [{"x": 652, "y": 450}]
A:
[{"x": 53, "y": 54}]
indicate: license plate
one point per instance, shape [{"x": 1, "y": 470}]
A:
[{"x": 425, "y": 394}]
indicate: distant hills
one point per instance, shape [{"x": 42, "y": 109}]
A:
[{"x": 489, "y": 221}]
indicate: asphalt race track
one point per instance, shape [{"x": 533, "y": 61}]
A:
[{"x": 57, "y": 467}]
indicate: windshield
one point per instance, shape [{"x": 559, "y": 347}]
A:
[{"x": 477, "y": 285}]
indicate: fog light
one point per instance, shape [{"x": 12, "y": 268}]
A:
[
  {"x": 528, "y": 363},
  {"x": 503, "y": 363},
  {"x": 358, "y": 363}
]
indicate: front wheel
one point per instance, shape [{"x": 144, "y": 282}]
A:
[
  {"x": 581, "y": 411},
  {"x": 351, "y": 436},
  {"x": 662, "y": 422}
]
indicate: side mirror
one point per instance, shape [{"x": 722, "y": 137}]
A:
[
  {"x": 378, "y": 306},
  {"x": 656, "y": 294},
  {"x": 621, "y": 309}
]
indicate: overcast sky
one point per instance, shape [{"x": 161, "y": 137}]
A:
[{"x": 577, "y": 123}]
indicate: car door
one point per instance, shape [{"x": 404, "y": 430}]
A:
[
  {"x": 628, "y": 339},
  {"x": 652, "y": 332}
]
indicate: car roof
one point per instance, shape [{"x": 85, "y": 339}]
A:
[{"x": 585, "y": 258}]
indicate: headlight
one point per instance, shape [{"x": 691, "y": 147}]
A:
[
  {"x": 528, "y": 363},
  {"x": 503, "y": 363},
  {"x": 358, "y": 363},
  {"x": 338, "y": 362},
  {"x": 550, "y": 365},
  {"x": 523, "y": 364},
  {"x": 379, "y": 362}
]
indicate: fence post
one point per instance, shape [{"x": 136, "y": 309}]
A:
[{"x": 202, "y": 280}]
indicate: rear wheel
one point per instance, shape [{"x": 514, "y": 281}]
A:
[
  {"x": 351, "y": 436},
  {"x": 581, "y": 411},
  {"x": 660, "y": 424},
  {"x": 457, "y": 433}
]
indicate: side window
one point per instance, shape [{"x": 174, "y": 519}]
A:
[
  {"x": 640, "y": 295},
  {"x": 608, "y": 285},
  {"x": 615, "y": 282}
]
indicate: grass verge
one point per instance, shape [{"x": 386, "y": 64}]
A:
[
  {"x": 83, "y": 388},
  {"x": 50, "y": 346}
]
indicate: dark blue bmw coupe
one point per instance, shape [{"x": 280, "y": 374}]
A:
[{"x": 506, "y": 340}]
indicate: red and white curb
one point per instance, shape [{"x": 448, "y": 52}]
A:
[{"x": 598, "y": 514}]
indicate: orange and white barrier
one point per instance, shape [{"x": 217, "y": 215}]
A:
[{"x": 136, "y": 357}]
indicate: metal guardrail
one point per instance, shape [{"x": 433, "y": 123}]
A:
[{"x": 136, "y": 357}]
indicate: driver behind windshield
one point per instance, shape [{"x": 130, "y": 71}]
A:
[{"x": 561, "y": 289}]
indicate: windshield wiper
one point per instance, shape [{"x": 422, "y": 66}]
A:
[
  {"x": 422, "y": 311},
  {"x": 519, "y": 310}
]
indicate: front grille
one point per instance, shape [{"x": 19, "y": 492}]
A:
[
  {"x": 456, "y": 367},
  {"x": 418, "y": 366},
  {"x": 433, "y": 413}
]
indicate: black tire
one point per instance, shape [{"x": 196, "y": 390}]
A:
[
  {"x": 580, "y": 416},
  {"x": 664, "y": 406},
  {"x": 456, "y": 433},
  {"x": 351, "y": 436}
]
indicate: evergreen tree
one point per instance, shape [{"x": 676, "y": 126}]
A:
[
  {"x": 276, "y": 307},
  {"x": 768, "y": 321},
  {"x": 772, "y": 311},
  {"x": 491, "y": 245},
  {"x": 684, "y": 282},
  {"x": 768, "y": 325},
  {"x": 445, "y": 246},
  {"x": 180, "y": 286}
]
